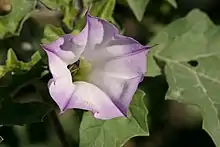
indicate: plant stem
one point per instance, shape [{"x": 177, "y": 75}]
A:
[{"x": 53, "y": 118}]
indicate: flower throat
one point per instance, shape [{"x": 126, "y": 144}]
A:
[{"x": 80, "y": 70}]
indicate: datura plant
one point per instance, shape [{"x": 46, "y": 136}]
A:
[{"x": 109, "y": 73}]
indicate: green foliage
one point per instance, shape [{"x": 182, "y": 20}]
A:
[
  {"x": 15, "y": 67},
  {"x": 138, "y": 7},
  {"x": 103, "y": 9},
  {"x": 188, "y": 54},
  {"x": 65, "y": 6},
  {"x": 57, "y": 4},
  {"x": 15, "y": 75},
  {"x": 11, "y": 23},
  {"x": 51, "y": 33},
  {"x": 115, "y": 132}
]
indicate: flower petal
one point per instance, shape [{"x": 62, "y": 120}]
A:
[
  {"x": 120, "y": 77},
  {"x": 118, "y": 65},
  {"x": 60, "y": 86},
  {"x": 89, "y": 97},
  {"x": 100, "y": 33},
  {"x": 105, "y": 42},
  {"x": 61, "y": 91},
  {"x": 69, "y": 47},
  {"x": 57, "y": 66},
  {"x": 118, "y": 62}
]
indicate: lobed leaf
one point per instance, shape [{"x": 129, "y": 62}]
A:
[
  {"x": 188, "y": 54},
  {"x": 103, "y": 9},
  {"x": 138, "y": 7},
  {"x": 115, "y": 132},
  {"x": 11, "y": 23},
  {"x": 14, "y": 75},
  {"x": 51, "y": 33},
  {"x": 13, "y": 65}
]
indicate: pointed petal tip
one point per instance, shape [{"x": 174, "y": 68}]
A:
[
  {"x": 145, "y": 48},
  {"x": 120, "y": 114},
  {"x": 148, "y": 47},
  {"x": 88, "y": 11},
  {"x": 125, "y": 114},
  {"x": 42, "y": 46},
  {"x": 97, "y": 116},
  {"x": 45, "y": 48},
  {"x": 61, "y": 111},
  {"x": 88, "y": 14}
]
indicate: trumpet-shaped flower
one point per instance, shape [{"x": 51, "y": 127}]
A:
[{"x": 111, "y": 67}]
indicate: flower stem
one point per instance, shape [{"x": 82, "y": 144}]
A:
[{"x": 53, "y": 118}]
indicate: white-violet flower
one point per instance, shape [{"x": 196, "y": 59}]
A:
[{"x": 111, "y": 67}]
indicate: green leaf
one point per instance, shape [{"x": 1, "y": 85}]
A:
[
  {"x": 11, "y": 59},
  {"x": 56, "y": 4},
  {"x": 173, "y": 3},
  {"x": 138, "y": 7},
  {"x": 115, "y": 132},
  {"x": 65, "y": 6},
  {"x": 103, "y": 9},
  {"x": 15, "y": 66},
  {"x": 11, "y": 23},
  {"x": 16, "y": 75},
  {"x": 188, "y": 53},
  {"x": 51, "y": 33},
  {"x": 181, "y": 29}
]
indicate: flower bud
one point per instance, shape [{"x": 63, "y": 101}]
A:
[{"x": 5, "y": 7}]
